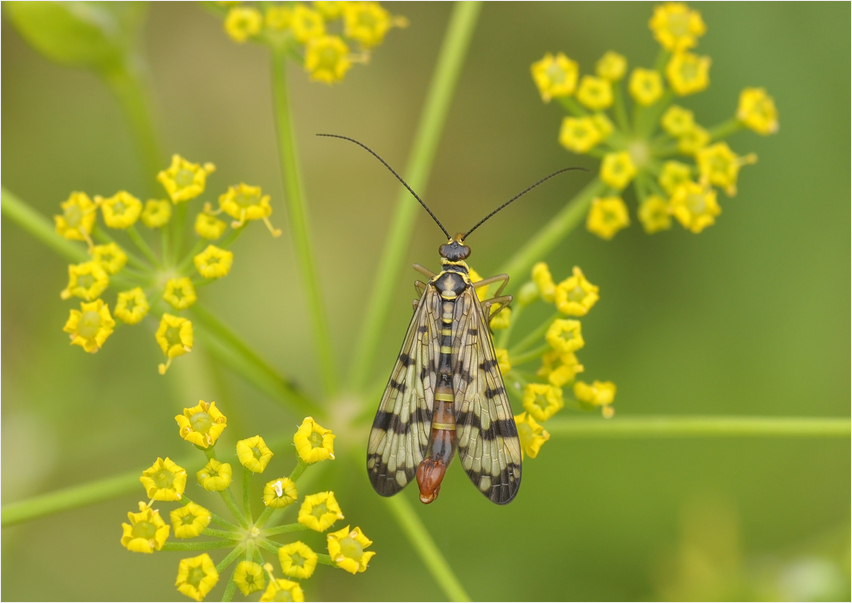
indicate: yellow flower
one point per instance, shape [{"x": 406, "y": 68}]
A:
[
  {"x": 87, "y": 280},
  {"x": 306, "y": 24},
  {"x": 531, "y": 434},
  {"x": 330, "y": 10},
  {"x": 599, "y": 393},
  {"x": 121, "y": 210},
  {"x": 611, "y": 66},
  {"x": 243, "y": 23},
  {"x": 693, "y": 140},
  {"x": 190, "y": 520},
  {"x": 617, "y": 170},
  {"x": 202, "y": 424},
  {"x": 249, "y": 576},
  {"x": 579, "y": 134},
  {"x": 646, "y": 86},
  {"x": 214, "y": 262},
  {"x": 156, "y": 213},
  {"x": 346, "y": 549},
  {"x": 180, "y": 293},
  {"x": 756, "y": 111},
  {"x": 327, "y": 59},
  {"x": 688, "y": 73},
  {"x": 132, "y": 306},
  {"x": 500, "y": 320},
  {"x": 77, "y": 219},
  {"x": 365, "y": 22},
  {"x": 607, "y": 216},
  {"x": 209, "y": 227},
  {"x": 676, "y": 27},
  {"x": 503, "y": 360},
  {"x": 544, "y": 281},
  {"x": 164, "y": 480},
  {"x": 603, "y": 124},
  {"x": 542, "y": 400},
  {"x": 677, "y": 121},
  {"x": 297, "y": 560},
  {"x": 246, "y": 202},
  {"x": 109, "y": 256},
  {"x": 184, "y": 180},
  {"x": 567, "y": 367},
  {"x": 146, "y": 532},
  {"x": 565, "y": 336},
  {"x": 197, "y": 576},
  {"x": 555, "y": 76},
  {"x": 279, "y": 493},
  {"x": 654, "y": 214},
  {"x": 277, "y": 17},
  {"x": 314, "y": 443},
  {"x": 319, "y": 511},
  {"x": 694, "y": 206},
  {"x": 575, "y": 296},
  {"x": 215, "y": 476},
  {"x": 595, "y": 93},
  {"x": 673, "y": 175},
  {"x": 253, "y": 454},
  {"x": 283, "y": 590},
  {"x": 90, "y": 326},
  {"x": 719, "y": 166},
  {"x": 175, "y": 338}
]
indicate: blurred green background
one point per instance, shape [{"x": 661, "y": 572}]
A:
[{"x": 751, "y": 317}]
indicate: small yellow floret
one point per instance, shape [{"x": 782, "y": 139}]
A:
[
  {"x": 757, "y": 111},
  {"x": 215, "y": 476},
  {"x": 306, "y": 24},
  {"x": 565, "y": 336},
  {"x": 121, "y": 210},
  {"x": 249, "y": 577},
  {"x": 720, "y": 166},
  {"x": 184, "y": 180},
  {"x": 77, "y": 219},
  {"x": 575, "y": 296},
  {"x": 280, "y": 493},
  {"x": 677, "y": 121},
  {"x": 277, "y": 17},
  {"x": 214, "y": 262},
  {"x": 542, "y": 400},
  {"x": 503, "y": 363},
  {"x": 595, "y": 93},
  {"x": 611, "y": 66},
  {"x": 146, "y": 532},
  {"x": 676, "y": 27},
  {"x": 544, "y": 281},
  {"x": 695, "y": 206},
  {"x": 559, "y": 369},
  {"x": 693, "y": 140},
  {"x": 327, "y": 59},
  {"x": 366, "y": 22},
  {"x": 180, "y": 293},
  {"x": 202, "y": 424},
  {"x": 314, "y": 443},
  {"x": 654, "y": 214},
  {"x": 110, "y": 256},
  {"x": 579, "y": 134},
  {"x": 164, "y": 480},
  {"x": 87, "y": 281},
  {"x": 320, "y": 511},
  {"x": 555, "y": 76},
  {"x": 617, "y": 170},
  {"x": 90, "y": 326},
  {"x": 329, "y": 10},
  {"x": 673, "y": 175},
  {"x": 501, "y": 319},
  {"x": 190, "y": 520},
  {"x": 254, "y": 454},
  {"x": 599, "y": 393},
  {"x": 297, "y": 560},
  {"x": 175, "y": 338},
  {"x": 209, "y": 227},
  {"x": 645, "y": 86},
  {"x": 688, "y": 73},
  {"x": 531, "y": 434},
  {"x": 346, "y": 549},
  {"x": 244, "y": 202},
  {"x": 132, "y": 306},
  {"x": 156, "y": 213},
  {"x": 283, "y": 590},
  {"x": 197, "y": 576},
  {"x": 607, "y": 216},
  {"x": 243, "y": 23}
]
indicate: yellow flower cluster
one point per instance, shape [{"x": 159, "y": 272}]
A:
[
  {"x": 146, "y": 279},
  {"x": 319, "y": 33},
  {"x": 203, "y": 425},
  {"x": 641, "y": 151}
]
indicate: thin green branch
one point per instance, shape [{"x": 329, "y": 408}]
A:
[
  {"x": 431, "y": 556},
  {"x": 38, "y": 226},
  {"x": 551, "y": 235},
  {"x": 297, "y": 210},
  {"x": 700, "y": 427},
  {"x": 429, "y": 130}
]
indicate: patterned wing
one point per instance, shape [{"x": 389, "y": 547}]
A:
[
  {"x": 401, "y": 429},
  {"x": 486, "y": 434}
]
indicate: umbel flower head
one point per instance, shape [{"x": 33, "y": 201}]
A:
[{"x": 638, "y": 151}]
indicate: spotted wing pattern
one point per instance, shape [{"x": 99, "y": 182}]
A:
[
  {"x": 400, "y": 434},
  {"x": 486, "y": 435}
]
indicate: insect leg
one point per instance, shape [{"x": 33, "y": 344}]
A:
[
  {"x": 502, "y": 278},
  {"x": 424, "y": 271}
]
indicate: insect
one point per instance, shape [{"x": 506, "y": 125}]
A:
[{"x": 446, "y": 392}]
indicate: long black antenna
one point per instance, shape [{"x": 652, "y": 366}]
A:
[
  {"x": 398, "y": 177},
  {"x": 520, "y": 195}
]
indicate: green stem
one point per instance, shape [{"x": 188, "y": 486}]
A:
[
  {"x": 573, "y": 106},
  {"x": 551, "y": 235},
  {"x": 247, "y": 495},
  {"x": 291, "y": 174},
  {"x": 429, "y": 130},
  {"x": 286, "y": 529},
  {"x": 38, "y": 226},
  {"x": 231, "y": 502},
  {"x": 725, "y": 129},
  {"x": 230, "y": 589},
  {"x": 230, "y": 558},
  {"x": 200, "y": 545},
  {"x": 533, "y": 336},
  {"x": 425, "y": 546},
  {"x": 620, "y": 108},
  {"x": 713, "y": 427},
  {"x": 529, "y": 356}
]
